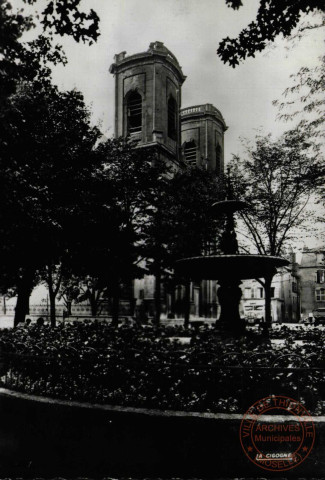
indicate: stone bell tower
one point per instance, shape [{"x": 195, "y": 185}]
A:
[
  {"x": 203, "y": 130},
  {"x": 148, "y": 99}
]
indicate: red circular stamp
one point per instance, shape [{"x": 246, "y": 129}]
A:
[{"x": 277, "y": 433}]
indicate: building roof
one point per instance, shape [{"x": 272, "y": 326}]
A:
[
  {"x": 196, "y": 111},
  {"x": 156, "y": 50}
]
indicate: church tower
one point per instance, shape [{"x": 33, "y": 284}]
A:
[
  {"x": 203, "y": 130},
  {"x": 148, "y": 99}
]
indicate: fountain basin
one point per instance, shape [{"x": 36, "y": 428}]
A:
[
  {"x": 232, "y": 267},
  {"x": 229, "y": 206}
]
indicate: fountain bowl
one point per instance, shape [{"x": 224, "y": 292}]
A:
[
  {"x": 232, "y": 267},
  {"x": 229, "y": 206}
]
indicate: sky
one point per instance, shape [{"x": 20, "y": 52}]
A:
[{"x": 192, "y": 30}]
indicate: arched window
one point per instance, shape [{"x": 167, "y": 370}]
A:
[
  {"x": 218, "y": 158},
  {"x": 134, "y": 113},
  {"x": 172, "y": 129},
  {"x": 190, "y": 153}
]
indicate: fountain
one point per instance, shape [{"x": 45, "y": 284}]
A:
[{"x": 230, "y": 267}]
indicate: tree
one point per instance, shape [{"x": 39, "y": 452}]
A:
[
  {"x": 274, "y": 17},
  {"x": 155, "y": 232},
  {"x": 304, "y": 100},
  {"x": 26, "y": 62},
  {"x": 91, "y": 290},
  {"x": 276, "y": 178},
  {"x": 129, "y": 180},
  {"x": 304, "y": 103},
  {"x": 46, "y": 167},
  {"x": 21, "y": 61},
  {"x": 181, "y": 225},
  {"x": 196, "y": 229},
  {"x": 64, "y": 17}
]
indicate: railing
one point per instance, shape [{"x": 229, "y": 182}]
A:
[{"x": 230, "y": 382}]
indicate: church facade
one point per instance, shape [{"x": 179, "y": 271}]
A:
[{"x": 148, "y": 108}]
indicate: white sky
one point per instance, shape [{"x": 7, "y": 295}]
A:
[{"x": 191, "y": 29}]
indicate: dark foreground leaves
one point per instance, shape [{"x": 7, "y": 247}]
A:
[{"x": 166, "y": 368}]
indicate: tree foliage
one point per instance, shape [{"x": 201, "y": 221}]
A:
[
  {"x": 277, "y": 178},
  {"x": 45, "y": 166},
  {"x": 21, "y": 60},
  {"x": 193, "y": 192},
  {"x": 109, "y": 247},
  {"x": 274, "y": 17},
  {"x": 64, "y": 17},
  {"x": 304, "y": 101},
  {"x": 304, "y": 105},
  {"x": 180, "y": 223}
]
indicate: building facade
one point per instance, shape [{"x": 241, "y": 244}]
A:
[
  {"x": 148, "y": 100},
  {"x": 148, "y": 97},
  {"x": 285, "y": 297},
  {"x": 312, "y": 281}
]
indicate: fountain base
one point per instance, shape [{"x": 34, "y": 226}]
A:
[
  {"x": 229, "y": 270},
  {"x": 229, "y": 295}
]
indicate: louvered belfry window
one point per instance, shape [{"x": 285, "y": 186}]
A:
[
  {"x": 134, "y": 112},
  {"x": 218, "y": 158},
  {"x": 190, "y": 153},
  {"x": 172, "y": 130}
]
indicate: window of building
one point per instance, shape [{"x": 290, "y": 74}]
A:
[
  {"x": 247, "y": 293},
  {"x": 272, "y": 292},
  {"x": 260, "y": 292},
  {"x": 320, "y": 276},
  {"x": 190, "y": 153},
  {"x": 172, "y": 108},
  {"x": 218, "y": 158},
  {"x": 178, "y": 293},
  {"x": 294, "y": 287},
  {"x": 134, "y": 113},
  {"x": 320, "y": 294}
]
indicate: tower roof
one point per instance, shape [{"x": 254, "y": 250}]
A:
[
  {"x": 197, "y": 111},
  {"x": 156, "y": 50}
]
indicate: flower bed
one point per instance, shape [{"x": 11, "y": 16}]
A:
[{"x": 147, "y": 367}]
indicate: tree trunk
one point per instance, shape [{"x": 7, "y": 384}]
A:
[
  {"x": 132, "y": 300},
  {"x": 158, "y": 297},
  {"x": 267, "y": 290},
  {"x": 53, "y": 290},
  {"x": 52, "y": 308},
  {"x": 25, "y": 287},
  {"x": 93, "y": 302},
  {"x": 115, "y": 302},
  {"x": 187, "y": 304}
]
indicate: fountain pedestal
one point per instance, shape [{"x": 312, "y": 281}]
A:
[
  {"x": 229, "y": 295},
  {"x": 229, "y": 271}
]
